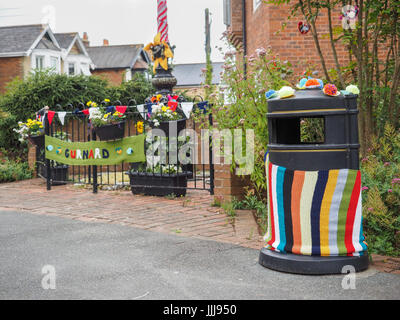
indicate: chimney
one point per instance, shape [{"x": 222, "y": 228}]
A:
[
  {"x": 105, "y": 42},
  {"x": 85, "y": 40}
]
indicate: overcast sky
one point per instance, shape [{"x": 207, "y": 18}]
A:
[{"x": 125, "y": 21}]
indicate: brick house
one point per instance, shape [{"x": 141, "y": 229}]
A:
[
  {"x": 26, "y": 48},
  {"x": 253, "y": 24},
  {"x": 190, "y": 77},
  {"x": 118, "y": 63},
  {"x": 75, "y": 58}
]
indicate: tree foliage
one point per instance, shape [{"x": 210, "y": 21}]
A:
[{"x": 374, "y": 56}]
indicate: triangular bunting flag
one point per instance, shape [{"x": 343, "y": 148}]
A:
[
  {"x": 121, "y": 109},
  {"x": 50, "y": 116},
  {"x": 173, "y": 105},
  {"x": 61, "y": 116},
  {"x": 110, "y": 109},
  {"x": 140, "y": 108},
  {"x": 187, "y": 108}
]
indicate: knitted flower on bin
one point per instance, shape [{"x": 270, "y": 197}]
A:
[
  {"x": 353, "y": 89},
  {"x": 312, "y": 83},
  {"x": 330, "y": 90},
  {"x": 286, "y": 92},
  {"x": 271, "y": 94}
]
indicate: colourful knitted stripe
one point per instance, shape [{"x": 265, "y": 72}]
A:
[
  {"x": 297, "y": 187},
  {"x": 314, "y": 212}
]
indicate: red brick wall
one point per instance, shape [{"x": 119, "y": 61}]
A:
[
  {"x": 9, "y": 69},
  {"x": 114, "y": 76},
  {"x": 264, "y": 28}
]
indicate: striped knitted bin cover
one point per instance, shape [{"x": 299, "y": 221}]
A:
[{"x": 315, "y": 213}]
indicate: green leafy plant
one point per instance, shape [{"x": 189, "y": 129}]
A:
[
  {"x": 240, "y": 102},
  {"x": 381, "y": 193},
  {"x": 14, "y": 170}
]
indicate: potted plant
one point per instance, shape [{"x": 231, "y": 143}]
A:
[
  {"x": 163, "y": 115},
  {"x": 31, "y": 130},
  {"x": 160, "y": 180},
  {"x": 107, "y": 125},
  {"x": 58, "y": 171}
]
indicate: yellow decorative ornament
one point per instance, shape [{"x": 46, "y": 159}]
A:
[{"x": 160, "y": 52}]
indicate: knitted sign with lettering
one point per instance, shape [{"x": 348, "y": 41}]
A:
[{"x": 129, "y": 150}]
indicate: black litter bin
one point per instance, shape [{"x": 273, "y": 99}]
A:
[{"x": 314, "y": 187}]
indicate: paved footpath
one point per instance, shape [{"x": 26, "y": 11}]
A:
[{"x": 192, "y": 216}]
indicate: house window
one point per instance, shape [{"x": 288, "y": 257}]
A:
[
  {"x": 40, "y": 62},
  {"x": 128, "y": 75},
  {"x": 256, "y": 4},
  {"x": 54, "y": 63},
  {"x": 71, "y": 69}
]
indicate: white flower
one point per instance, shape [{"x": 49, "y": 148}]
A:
[
  {"x": 156, "y": 108},
  {"x": 95, "y": 113}
]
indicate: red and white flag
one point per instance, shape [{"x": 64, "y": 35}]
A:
[{"x": 162, "y": 19}]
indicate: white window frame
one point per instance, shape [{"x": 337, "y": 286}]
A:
[
  {"x": 68, "y": 68},
  {"x": 43, "y": 62},
  {"x": 256, "y": 4},
  {"x": 56, "y": 65}
]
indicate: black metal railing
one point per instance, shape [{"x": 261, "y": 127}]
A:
[{"x": 77, "y": 128}]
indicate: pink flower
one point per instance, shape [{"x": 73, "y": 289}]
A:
[
  {"x": 386, "y": 164},
  {"x": 370, "y": 209},
  {"x": 395, "y": 180},
  {"x": 390, "y": 190},
  {"x": 364, "y": 160},
  {"x": 364, "y": 188}
]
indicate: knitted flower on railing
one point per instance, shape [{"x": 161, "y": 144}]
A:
[
  {"x": 160, "y": 52},
  {"x": 139, "y": 127}
]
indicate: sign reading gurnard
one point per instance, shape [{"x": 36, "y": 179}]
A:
[{"x": 129, "y": 150}]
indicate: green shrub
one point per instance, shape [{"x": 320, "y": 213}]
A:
[
  {"x": 25, "y": 97},
  {"x": 139, "y": 88},
  {"x": 14, "y": 171},
  {"x": 242, "y": 103},
  {"x": 381, "y": 195}
]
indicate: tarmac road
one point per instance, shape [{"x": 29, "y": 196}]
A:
[{"x": 105, "y": 261}]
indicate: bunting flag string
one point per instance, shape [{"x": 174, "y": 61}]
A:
[
  {"x": 121, "y": 109},
  {"x": 50, "y": 116},
  {"x": 141, "y": 110},
  {"x": 187, "y": 108},
  {"x": 61, "y": 116}
]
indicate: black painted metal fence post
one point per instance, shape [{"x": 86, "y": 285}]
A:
[
  {"x": 47, "y": 161},
  {"x": 211, "y": 155},
  {"x": 95, "y": 186}
]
